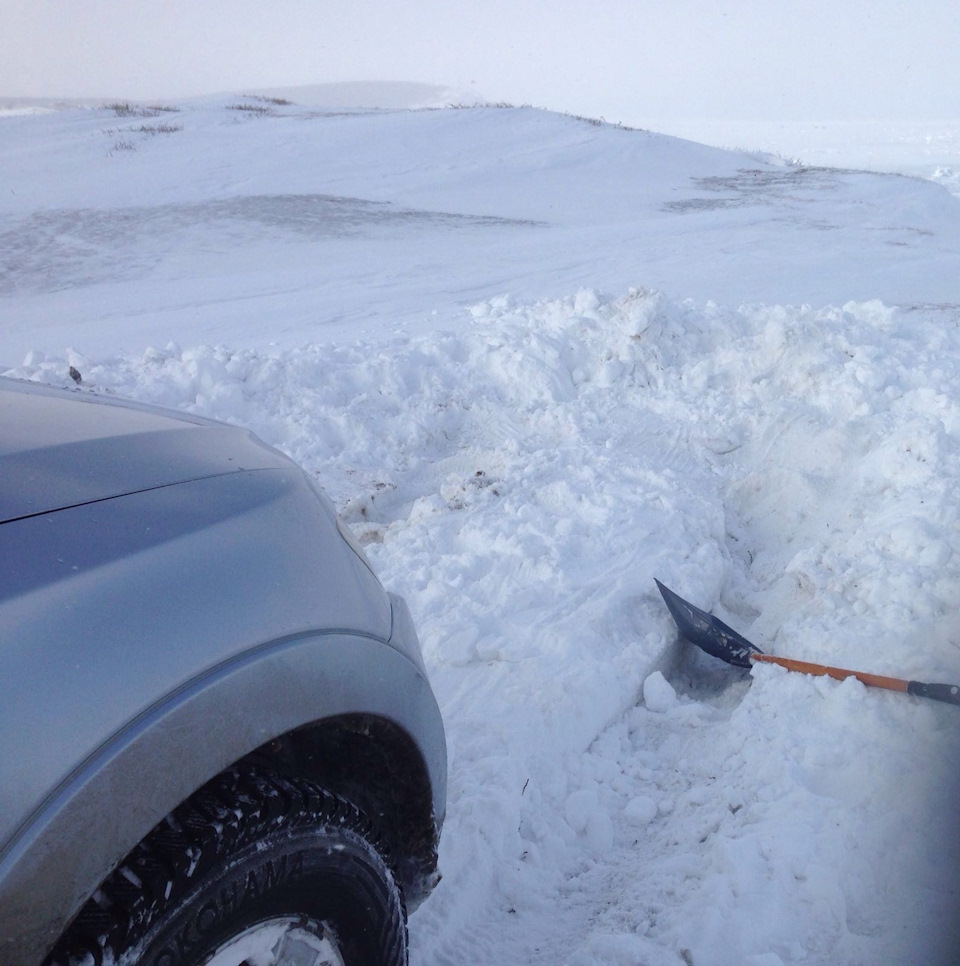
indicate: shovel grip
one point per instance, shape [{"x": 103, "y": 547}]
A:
[{"x": 938, "y": 692}]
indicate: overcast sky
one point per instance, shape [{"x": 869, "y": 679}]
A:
[{"x": 623, "y": 59}]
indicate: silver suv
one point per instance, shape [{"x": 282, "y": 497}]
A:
[{"x": 218, "y": 744}]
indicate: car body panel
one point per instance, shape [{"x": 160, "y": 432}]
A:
[
  {"x": 151, "y": 639},
  {"x": 131, "y": 598},
  {"x": 60, "y": 449}
]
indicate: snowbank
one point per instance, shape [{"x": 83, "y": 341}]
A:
[{"x": 521, "y": 480}]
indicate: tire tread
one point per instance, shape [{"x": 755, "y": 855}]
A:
[{"x": 232, "y": 811}]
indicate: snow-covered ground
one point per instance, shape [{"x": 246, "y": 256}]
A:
[
  {"x": 924, "y": 149},
  {"x": 538, "y": 362}
]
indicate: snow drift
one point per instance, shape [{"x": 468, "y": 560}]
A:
[{"x": 521, "y": 468}]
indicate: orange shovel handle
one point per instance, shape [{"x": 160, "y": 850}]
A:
[{"x": 805, "y": 667}]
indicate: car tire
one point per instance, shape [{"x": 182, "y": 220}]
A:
[{"x": 253, "y": 868}]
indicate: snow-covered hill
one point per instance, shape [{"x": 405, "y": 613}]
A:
[
  {"x": 453, "y": 319},
  {"x": 285, "y": 224}
]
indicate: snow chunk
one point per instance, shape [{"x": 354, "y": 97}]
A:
[
  {"x": 580, "y": 806},
  {"x": 658, "y": 693},
  {"x": 640, "y": 810}
]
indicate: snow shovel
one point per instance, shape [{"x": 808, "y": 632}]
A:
[{"x": 716, "y": 638}]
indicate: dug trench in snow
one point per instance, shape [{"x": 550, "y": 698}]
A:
[{"x": 521, "y": 481}]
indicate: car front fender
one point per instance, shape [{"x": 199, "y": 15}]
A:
[{"x": 151, "y": 640}]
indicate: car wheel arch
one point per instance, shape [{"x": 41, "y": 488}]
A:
[
  {"x": 289, "y": 703},
  {"x": 376, "y": 765}
]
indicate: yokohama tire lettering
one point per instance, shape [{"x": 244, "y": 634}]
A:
[{"x": 271, "y": 875}]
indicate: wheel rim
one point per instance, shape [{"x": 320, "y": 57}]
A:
[{"x": 285, "y": 941}]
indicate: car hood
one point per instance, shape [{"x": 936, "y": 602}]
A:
[{"x": 62, "y": 448}]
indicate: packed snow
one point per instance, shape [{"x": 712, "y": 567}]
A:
[{"x": 538, "y": 362}]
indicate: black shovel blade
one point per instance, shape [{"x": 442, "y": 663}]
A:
[{"x": 707, "y": 631}]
